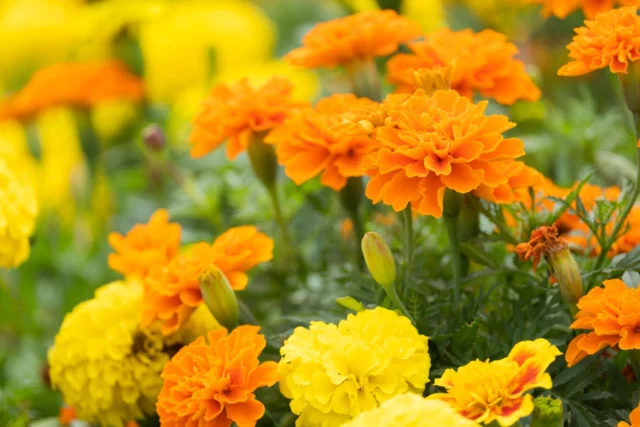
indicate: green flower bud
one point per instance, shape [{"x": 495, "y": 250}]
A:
[
  {"x": 379, "y": 259},
  {"x": 219, "y": 297},
  {"x": 547, "y": 412},
  {"x": 567, "y": 272},
  {"x": 350, "y": 303},
  {"x": 263, "y": 160}
]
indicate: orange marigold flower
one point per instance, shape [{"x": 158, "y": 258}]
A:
[
  {"x": 432, "y": 143},
  {"x": 66, "y": 415},
  {"x": 239, "y": 111},
  {"x": 562, "y": 8},
  {"x": 543, "y": 240},
  {"x": 634, "y": 417},
  {"x": 75, "y": 84},
  {"x": 213, "y": 383},
  {"x": 323, "y": 140},
  {"x": 611, "y": 314},
  {"x": 354, "y": 38},
  {"x": 173, "y": 290},
  {"x": 145, "y": 245},
  {"x": 482, "y": 62},
  {"x": 611, "y": 40}
]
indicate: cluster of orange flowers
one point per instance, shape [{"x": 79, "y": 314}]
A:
[
  {"x": 612, "y": 315},
  {"x": 172, "y": 288},
  {"x": 482, "y": 62},
  {"x": 591, "y": 8},
  {"x": 77, "y": 84}
]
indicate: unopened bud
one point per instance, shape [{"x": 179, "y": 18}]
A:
[
  {"x": 547, "y": 413},
  {"x": 630, "y": 83},
  {"x": 567, "y": 272},
  {"x": 153, "y": 138},
  {"x": 219, "y": 297},
  {"x": 379, "y": 259},
  {"x": 263, "y": 160}
]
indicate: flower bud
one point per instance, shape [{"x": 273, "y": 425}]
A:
[
  {"x": 153, "y": 138},
  {"x": 452, "y": 204},
  {"x": 547, "y": 412},
  {"x": 630, "y": 83},
  {"x": 567, "y": 272},
  {"x": 379, "y": 259},
  {"x": 219, "y": 297},
  {"x": 263, "y": 160}
]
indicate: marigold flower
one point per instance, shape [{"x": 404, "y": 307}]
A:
[
  {"x": 496, "y": 391},
  {"x": 634, "y": 417},
  {"x": 411, "y": 410},
  {"x": 333, "y": 373},
  {"x": 357, "y": 37},
  {"x": 432, "y": 143},
  {"x": 173, "y": 290},
  {"x": 611, "y": 40},
  {"x": 612, "y": 315},
  {"x": 591, "y": 8},
  {"x": 323, "y": 140},
  {"x": 237, "y": 112},
  {"x": 105, "y": 365},
  {"x": 482, "y": 62},
  {"x": 212, "y": 383},
  {"x": 18, "y": 210},
  {"x": 145, "y": 245},
  {"x": 66, "y": 415},
  {"x": 77, "y": 84}
]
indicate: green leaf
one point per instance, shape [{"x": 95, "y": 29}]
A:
[
  {"x": 581, "y": 416},
  {"x": 464, "y": 337},
  {"x": 566, "y": 202},
  {"x": 474, "y": 253}
]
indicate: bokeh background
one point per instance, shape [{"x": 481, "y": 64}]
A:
[{"x": 89, "y": 187}]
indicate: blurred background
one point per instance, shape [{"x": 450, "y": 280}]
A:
[{"x": 95, "y": 172}]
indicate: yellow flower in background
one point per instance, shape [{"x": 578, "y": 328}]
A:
[
  {"x": 332, "y": 373},
  {"x": 110, "y": 118},
  {"x": 411, "y": 410},
  {"x": 194, "y": 39},
  {"x": 106, "y": 367},
  {"x": 18, "y": 210},
  {"x": 198, "y": 324},
  {"x": 497, "y": 391}
]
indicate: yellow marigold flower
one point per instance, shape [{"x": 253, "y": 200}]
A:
[
  {"x": 332, "y": 373},
  {"x": 105, "y": 365},
  {"x": 495, "y": 391},
  {"x": 18, "y": 210},
  {"x": 358, "y": 37},
  {"x": 411, "y": 410},
  {"x": 611, "y": 40}
]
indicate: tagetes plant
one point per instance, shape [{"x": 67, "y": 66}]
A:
[{"x": 441, "y": 239}]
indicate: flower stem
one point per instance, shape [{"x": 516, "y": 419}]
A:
[
  {"x": 408, "y": 244},
  {"x": 625, "y": 213},
  {"x": 397, "y": 302},
  {"x": 634, "y": 359},
  {"x": 351, "y": 198},
  {"x": 365, "y": 79},
  {"x": 451, "y": 222},
  {"x": 277, "y": 210}
]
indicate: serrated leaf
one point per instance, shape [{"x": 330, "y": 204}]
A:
[
  {"x": 581, "y": 416},
  {"x": 566, "y": 202},
  {"x": 464, "y": 337}
]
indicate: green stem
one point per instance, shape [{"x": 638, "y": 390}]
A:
[
  {"x": 282, "y": 223},
  {"x": 351, "y": 199},
  {"x": 246, "y": 316},
  {"x": 358, "y": 227},
  {"x": 397, "y": 302},
  {"x": 634, "y": 359},
  {"x": 623, "y": 217},
  {"x": 451, "y": 222},
  {"x": 408, "y": 244}
]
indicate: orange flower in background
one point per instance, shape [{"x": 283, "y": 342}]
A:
[
  {"x": 562, "y": 8},
  {"x": 66, "y": 415},
  {"x": 75, "y": 84},
  {"x": 357, "y": 37},
  {"x": 611, "y": 314},
  {"x": 237, "y": 112},
  {"x": 611, "y": 40},
  {"x": 145, "y": 245},
  {"x": 482, "y": 62},
  {"x": 520, "y": 178},
  {"x": 173, "y": 290},
  {"x": 429, "y": 144},
  {"x": 634, "y": 417},
  {"x": 323, "y": 141},
  {"x": 213, "y": 383}
]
